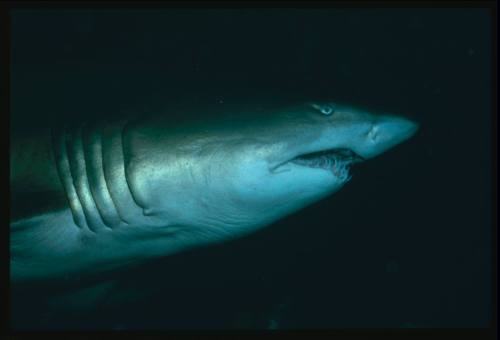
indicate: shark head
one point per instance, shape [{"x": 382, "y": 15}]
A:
[{"x": 222, "y": 178}]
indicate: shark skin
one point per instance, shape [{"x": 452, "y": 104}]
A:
[{"x": 101, "y": 196}]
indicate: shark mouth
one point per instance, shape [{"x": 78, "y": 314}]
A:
[{"x": 337, "y": 161}]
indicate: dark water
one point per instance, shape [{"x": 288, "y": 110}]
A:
[{"x": 407, "y": 243}]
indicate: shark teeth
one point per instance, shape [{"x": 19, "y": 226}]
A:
[{"x": 337, "y": 161}]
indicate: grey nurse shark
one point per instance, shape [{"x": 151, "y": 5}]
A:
[{"x": 119, "y": 193}]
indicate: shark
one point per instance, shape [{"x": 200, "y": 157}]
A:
[{"x": 102, "y": 195}]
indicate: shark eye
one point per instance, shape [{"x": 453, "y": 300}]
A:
[{"x": 326, "y": 109}]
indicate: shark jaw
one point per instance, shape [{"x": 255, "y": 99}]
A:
[{"x": 337, "y": 161}]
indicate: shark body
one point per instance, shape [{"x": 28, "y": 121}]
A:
[{"x": 120, "y": 193}]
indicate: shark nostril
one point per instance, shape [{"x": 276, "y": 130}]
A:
[{"x": 373, "y": 134}]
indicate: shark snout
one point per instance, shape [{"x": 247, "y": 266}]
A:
[
  {"x": 395, "y": 129},
  {"x": 388, "y": 132},
  {"x": 403, "y": 128}
]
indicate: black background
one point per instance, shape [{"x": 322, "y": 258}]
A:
[{"x": 407, "y": 243}]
